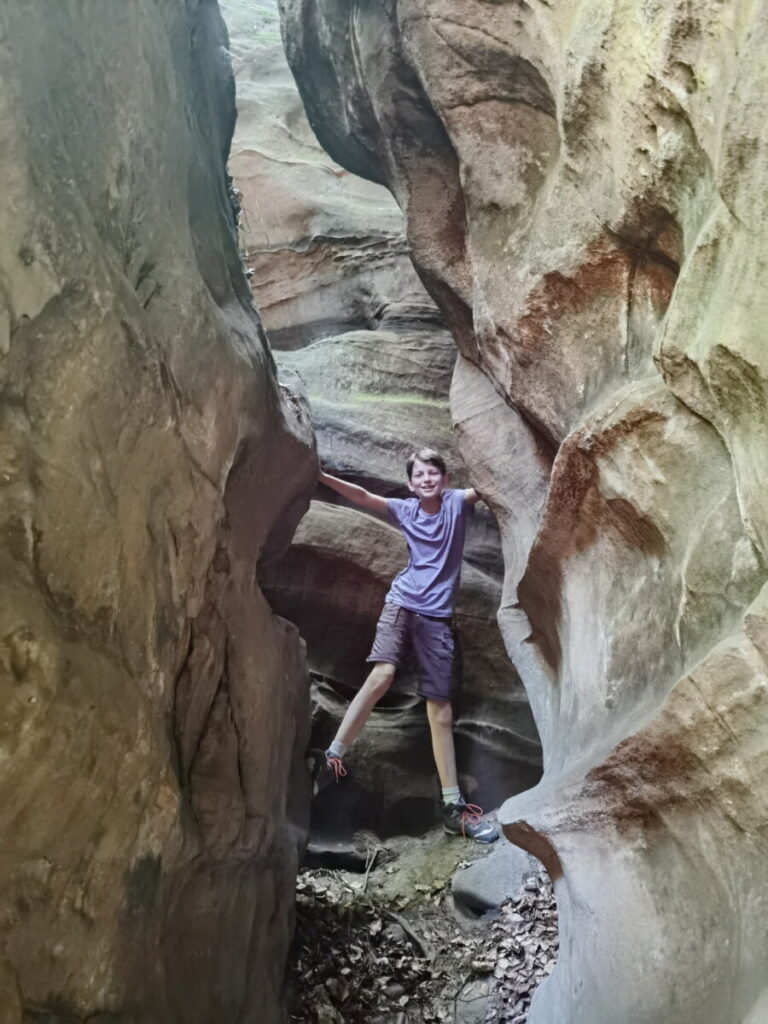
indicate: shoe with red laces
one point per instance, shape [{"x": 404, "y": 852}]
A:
[
  {"x": 463, "y": 819},
  {"x": 335, "y": 765},
  {"x": 324, "y": 768}
]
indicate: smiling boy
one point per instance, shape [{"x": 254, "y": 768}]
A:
[{"x": 417, "y": 611}]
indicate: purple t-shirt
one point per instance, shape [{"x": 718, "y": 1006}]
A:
[{"x": 435, "y": 544}]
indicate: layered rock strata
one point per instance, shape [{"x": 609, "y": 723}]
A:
[
  {"x": 584, "y": 189},
  {"x": 152, "y": 706},
  {"x": 326, "y": 249}
]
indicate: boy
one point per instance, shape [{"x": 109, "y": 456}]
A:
[{"x": 418, "y": 610}]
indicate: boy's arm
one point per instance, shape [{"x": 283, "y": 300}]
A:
[
  {"x": 353, "y": 493},
  {"x": 471, "y": 497}
]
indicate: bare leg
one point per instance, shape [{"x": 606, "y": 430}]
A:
[
  {"x": 372, "y": 690},
  {"x": 440, "y": 716}
]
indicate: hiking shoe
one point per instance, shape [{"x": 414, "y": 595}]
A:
[
  {"x": 324, "y": 769},
  {"x": 463, "y": 819}
]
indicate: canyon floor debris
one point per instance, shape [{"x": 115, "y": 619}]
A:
[{"x": 385, "y": 948}]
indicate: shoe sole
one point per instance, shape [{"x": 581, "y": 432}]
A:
[{"x": 475, "y": 839}]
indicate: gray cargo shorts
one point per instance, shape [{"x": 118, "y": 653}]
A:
[{"x": 432, "y": 642}]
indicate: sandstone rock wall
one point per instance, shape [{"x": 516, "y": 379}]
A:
[
  {"x": 151, "y": 705},
  {"x": 326, "y": 248},
  {"x": 584, "y": 185}
]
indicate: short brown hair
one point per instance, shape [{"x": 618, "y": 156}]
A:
[{"x": 425, "y": 455}]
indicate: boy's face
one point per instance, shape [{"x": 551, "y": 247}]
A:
[{"x": 426, "y": 480}]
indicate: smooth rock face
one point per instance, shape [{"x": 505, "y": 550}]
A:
[
  {"x": 585, "y": 191},
  {"x": 326, "y": 248},
  {"x": 152, "y": 708}
]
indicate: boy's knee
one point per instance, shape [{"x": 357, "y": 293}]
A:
[
  {"x": 381, "y": 678},
  {"x": 440, "y": 712}
]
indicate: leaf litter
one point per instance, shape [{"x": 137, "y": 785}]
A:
[{"x": 365, "y": 955}]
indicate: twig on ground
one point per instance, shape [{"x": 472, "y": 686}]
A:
[
  {"x": 426, "y": 952},
  {"x": 370, "y": 860}
]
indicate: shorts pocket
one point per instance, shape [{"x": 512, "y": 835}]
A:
[
  {"x": 389, "y": 613},
  {"x": 445, "y": 638}
]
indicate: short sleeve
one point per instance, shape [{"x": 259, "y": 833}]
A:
[
  {"x": 395, "y": 510},
  {"x": 463, "y": 508}
]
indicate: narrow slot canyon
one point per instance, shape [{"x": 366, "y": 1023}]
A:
[
  {"x": 244, "y": 241},
  {"x": 394, "y": 921}
]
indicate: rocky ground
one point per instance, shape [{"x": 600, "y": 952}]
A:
[{"x": 394, "y": 944}]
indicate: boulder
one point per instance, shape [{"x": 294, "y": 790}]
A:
[
  {"x": 474, "y": 1001},
  {"x": 491, "y": 880}
]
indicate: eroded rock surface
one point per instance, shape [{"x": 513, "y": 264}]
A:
[
  {"x": 152, "y": 706},
  {"x": 326, "y": 248},
  {"x": 585, "y": 186}
]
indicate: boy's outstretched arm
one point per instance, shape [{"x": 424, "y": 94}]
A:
[
  {"x": 471, "y": 496},
  {"x": 353, "y": 493}
]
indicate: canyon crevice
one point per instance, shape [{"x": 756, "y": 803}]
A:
[
  {"x": 354, "y": 332},
  {"x": 584, "y": 191}
]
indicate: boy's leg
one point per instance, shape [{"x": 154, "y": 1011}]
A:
[
  {"x": 440, "y": 717},
  {"x": 370, "y": 693},
  {"x": 433, "y": 643},
  {"x": 392, "y": 632},
  {"x": 327, "y": 766}
]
